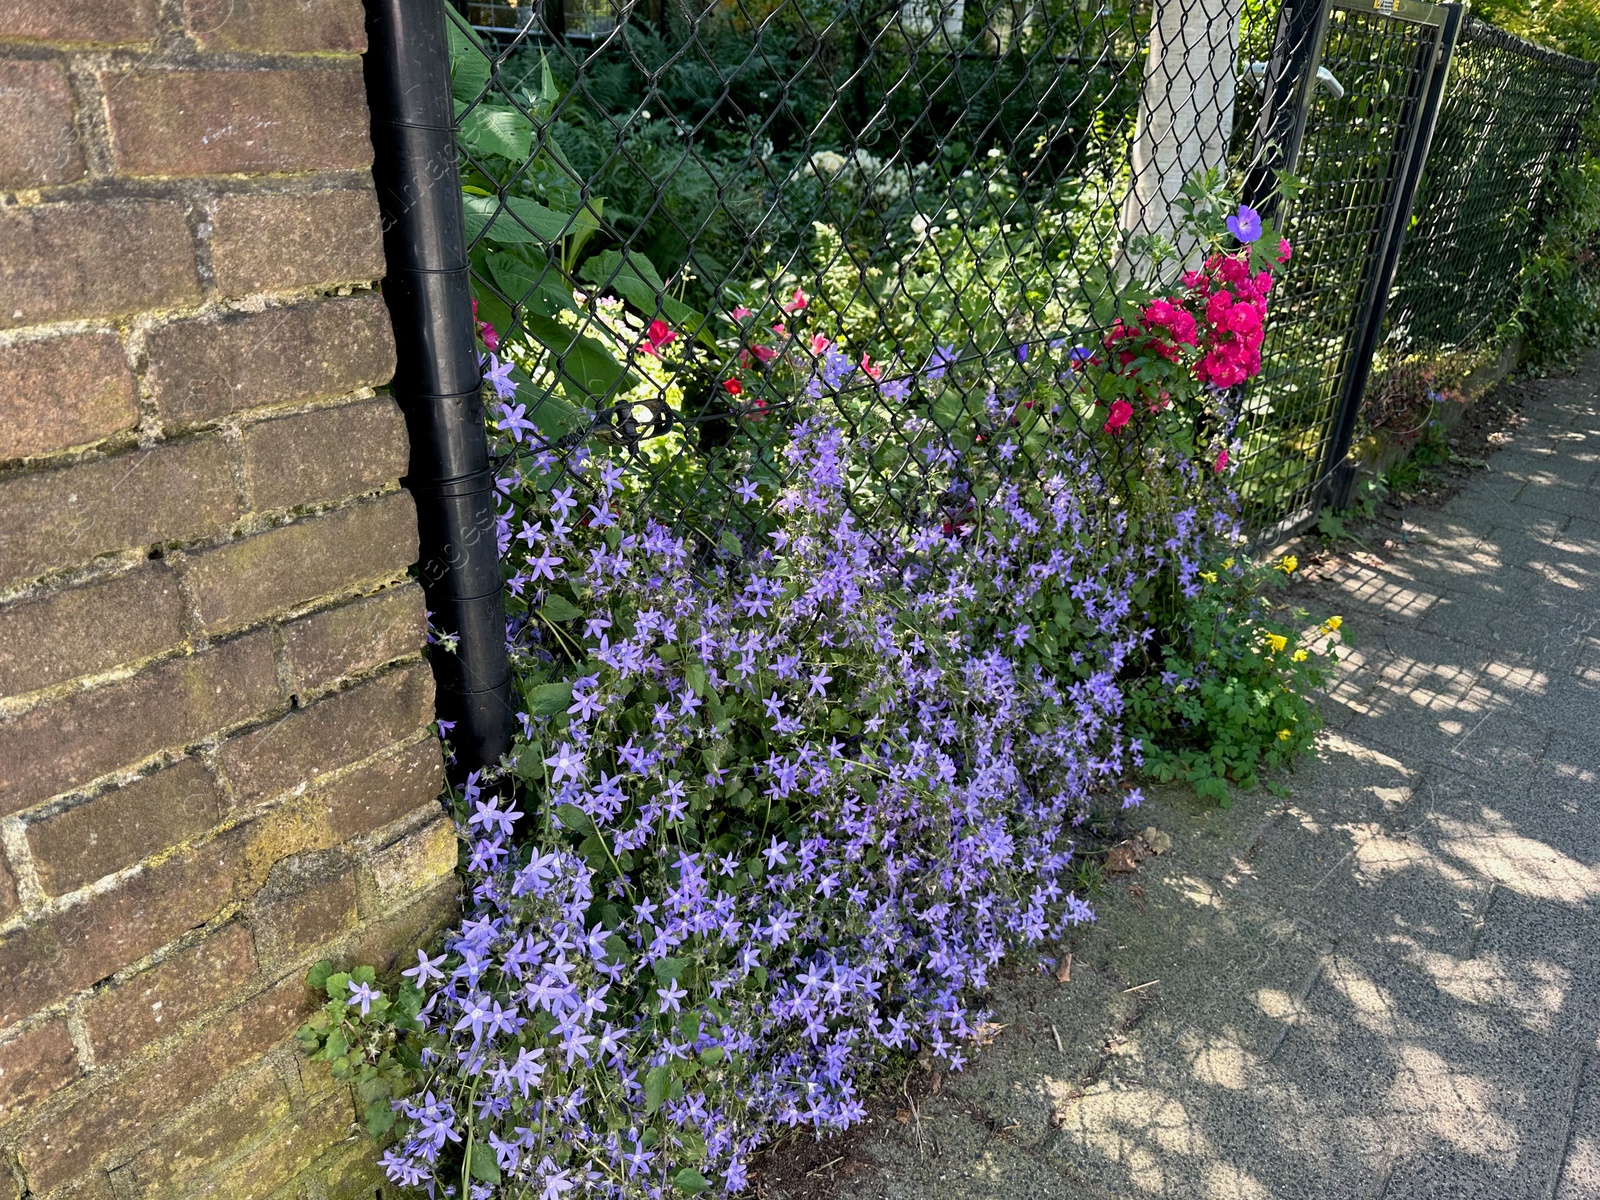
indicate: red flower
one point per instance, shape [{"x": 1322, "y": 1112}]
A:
[
  {"x": 1121, "y": 411},
  {"x": 657, "y": 336},
  {"x": 732, "y": 386}
]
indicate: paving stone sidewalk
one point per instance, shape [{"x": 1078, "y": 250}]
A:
[{"x": 1384, "y": 986}]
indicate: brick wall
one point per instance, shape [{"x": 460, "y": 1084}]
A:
[{"x": 214, "y": 759}]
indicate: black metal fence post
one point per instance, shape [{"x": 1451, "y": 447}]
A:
[
  {"x": 437, "y": 381},
  {"x": 1338, "y": 474},
  {"x": 1290, "y": 82}
]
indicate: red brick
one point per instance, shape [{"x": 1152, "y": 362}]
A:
[
  {"x": 40, "y": 147},
  {"x": 118, "y": 828},
  {"x": 382, "y": 792},
  {"x": 336, "y": 642},
  {"x": 384, "y": 943},
  {"x": 114, "y": 1117},
  {"x": 285, "y": 25},
  {"x": 69, "y": 742},
  {"x": 93, "y": 940},
  {"x": 234, "y": 1115},
  {"x": 94, "y": 259},
  {"x": 65, "y": 391},
  {"x": 202, "y": 370},
  {"x": 183, "y": 986},
  {"x": 33, "y": 1066},
  {"x": 267, "y": 573},
  {"x": 411, "y": 864},
  {"x": 85, "y": 630},
  {"x": 343, "y": 728},
  {"x": 309, "y": 901},
  {"x": 79, "y": 22},
  {"x": 283, "y": 241},
  {"x": 188, "y": 122},
  {"x": 145, "y": 497},
  {"x": 330, "y": 454}
]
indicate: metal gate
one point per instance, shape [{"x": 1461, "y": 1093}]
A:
[{"x": 1352, "y": 96}]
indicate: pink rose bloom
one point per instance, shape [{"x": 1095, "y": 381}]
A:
[{"x": 1121, "y": 412}]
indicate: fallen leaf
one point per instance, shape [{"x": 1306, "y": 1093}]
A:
[
  {"x": 1064, "y": 971},
  {"x": 1121, "y": 858}
]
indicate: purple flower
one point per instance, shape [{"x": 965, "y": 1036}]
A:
[
  {"x": 1245, "y": 225},
  {"x": 362, "y": 994}
]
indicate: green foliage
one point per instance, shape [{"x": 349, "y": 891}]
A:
[
  {"x": 363, "y": 1039},
  {"x": 1236, "y": 674}
]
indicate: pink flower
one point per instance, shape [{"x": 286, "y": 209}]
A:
[
  {"x": 799, "y": 302},
  {"x": 1121, "y": 412},
  {"x": 872, "y": 371},
  {"x": 819, "y": 343},
  {"x": 1284, "y": 252},
  {"x": 490, "y": 338},
  {"x": 732, "y": 386},
  {"x": 740, "y": 313},
  {"x": 1222, "y": 460},
  {"x": 765, "y": 353}
]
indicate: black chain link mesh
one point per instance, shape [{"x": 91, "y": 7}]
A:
[
  {"x": 944, "y": 180},
  {"x": 1510, "y": 117}
]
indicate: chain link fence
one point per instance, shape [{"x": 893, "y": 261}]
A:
[{"x": 959, "y": 184}]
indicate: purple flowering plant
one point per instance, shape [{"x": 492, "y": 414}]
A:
[{"x": 793, "y": 776}]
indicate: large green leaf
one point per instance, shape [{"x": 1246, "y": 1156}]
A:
[
  {"x": 484, "y": 1167},
  {"x": 580, "y": 362},
  {"x": 487, "y": 129},
  {"x": 469, "y": 60},
  {"x": 515, "y": 221},
  {"x": 633, "y": 277},
  {"x": 525, "y": 276}
]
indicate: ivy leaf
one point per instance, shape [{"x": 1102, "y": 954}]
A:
[
  {"x": 484, "y": 1166},
  {"x": 379, "y": 1118}
]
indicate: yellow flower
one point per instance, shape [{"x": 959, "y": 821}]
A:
[
  {"x": 1284, "y": 735},
  {"x": 1288, "y": 564},
  {"x": 1209, "y": 576},
  {"x": 1227, "y": 564},
  {"x": 1299, "y": 656},
  {"x": 1332, "y": 624},
  {"x": 1276, "y": 641}
]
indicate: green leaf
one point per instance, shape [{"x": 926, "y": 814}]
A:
[
  {"x": 691, "y": 1181},
  {"x": 575, "y": 818},
  {"x": 548, "y": 699},
  {"x": 514, "y": 221},
  {"x": 486, "y": 129},
  {"x": 379, "y": 1118},
  {"x": 317, "y": 977},
  {"x": 484, "y": 1167},
  {"x": 669, "y": 969},
  {"x": 558, "y": 608},
  {"x": 695, "y": 674},
  {"x": 469, "y": 61},
  {"x": 655, "y": 1087},
  {"x": 633, "y": 277},
  {"x": 581, "y": 363},
  {"x": 524, "y": 275}
]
